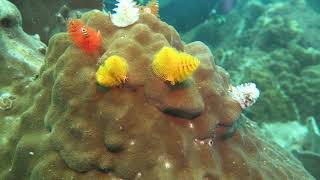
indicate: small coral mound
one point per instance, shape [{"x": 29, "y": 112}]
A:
[
  {"x": 113, "y": 72},
  {"x": 126, "y": 13},
  {"x": 84, "y": 37},
  {"x": 173, "y": 66},
  {"x": 246, "y": 94}
]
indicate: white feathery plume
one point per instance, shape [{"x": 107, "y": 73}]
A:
[
  {"x": 246, "y": 94},
  {"x": 126, "y": 13}
]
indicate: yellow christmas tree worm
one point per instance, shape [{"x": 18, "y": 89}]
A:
[
  {"x": 113, "y": 71},
  {"x": 173, "y": 66}
]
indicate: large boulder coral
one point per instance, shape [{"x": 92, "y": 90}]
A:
[{"x": 71, "y": 128}]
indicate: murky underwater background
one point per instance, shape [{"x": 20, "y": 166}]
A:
[{"x": 273, "y": 43}]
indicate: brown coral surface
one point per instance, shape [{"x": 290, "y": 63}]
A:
[{"x": 71, "y": 128}]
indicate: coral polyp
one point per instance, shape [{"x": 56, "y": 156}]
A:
[
  {"x": 173, "y": 66},
  {"x": 113, "y": 72}
]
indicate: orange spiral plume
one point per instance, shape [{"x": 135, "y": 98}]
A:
[{"x": 84, "y": 37}]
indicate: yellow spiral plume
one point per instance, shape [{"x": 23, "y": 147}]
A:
[
  {"x": 113, "y": 71},
  {"x": 173, "y": 66}
]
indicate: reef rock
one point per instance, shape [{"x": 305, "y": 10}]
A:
[
  {"x": 303, "y": 142},
  {"x": 21, "y": 56},
  {"x": 68, "y": 127},
  {"x": 276, "y": 48},
  {"x": 47, "y": 17}
]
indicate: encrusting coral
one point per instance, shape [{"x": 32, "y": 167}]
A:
[
  {"x": 173, "y": 66},
  {"x": 71, "y": 128},
  {"x": 113, "y": 72}
]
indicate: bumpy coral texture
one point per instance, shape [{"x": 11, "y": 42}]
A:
[{"x": 70, "y": 128}]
